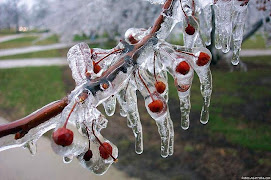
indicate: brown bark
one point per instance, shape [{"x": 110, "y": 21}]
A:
[{"x": 22, "y": 126}]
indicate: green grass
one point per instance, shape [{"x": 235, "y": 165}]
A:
[
  {"x": 50, "y": 40},
  {"x": 82, "y": 37},
  {"x": 255, "y": 42},
  {"x": 258, "y": 60},
  {"x": 239, "y": 132},
  {"x": 23, "y": 90},
  {"x": 19, "y": 42},
  {"x": 230, "y": 92},
  {"x": 176, "y": 39},
  {"x": 28, "y": 41},
  {"x": 5, "y": 32}
]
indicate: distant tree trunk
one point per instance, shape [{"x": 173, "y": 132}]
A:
[{"x": 16, "y": 18}]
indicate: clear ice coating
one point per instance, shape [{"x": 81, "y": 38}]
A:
[{"x": 109, "y": 76}]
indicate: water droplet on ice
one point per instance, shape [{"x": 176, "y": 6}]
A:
[{"x": 67, "y": 159}]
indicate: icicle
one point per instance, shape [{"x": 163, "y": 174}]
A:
[
  {"x": 110, "y": 105},
  {"x": 156, "y": 107},
  {"x": 121, "y": 97},
  {"x": 185, "y": 107},
  {"x": 128, "y": 101},
  {"x": 201, "y": 65},
  {"x": 134, "y": 119},
  {"x": 67, "y": 159},
  {"x": 199, "y": 59},
  {"x": 162, "y": 76},
  {"x": 32, "y": 147},
  {"x": 206, "y": 91},
  {"x": 183, "y": 75},
  {"x": 239, "y": 19},
  {"x": 223, "y": 29},
  {"x": 171, "y": 134},
  {"x": 206, "y": 24},
  {"x": 163, "y": 130}
]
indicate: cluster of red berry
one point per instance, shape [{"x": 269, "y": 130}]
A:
[{"x": 64, "y": 137}]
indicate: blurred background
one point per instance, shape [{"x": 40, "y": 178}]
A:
[{"x": 35, "y": 36}]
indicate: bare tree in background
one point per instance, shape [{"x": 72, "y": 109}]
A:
[{"x": 12, "y": 13}]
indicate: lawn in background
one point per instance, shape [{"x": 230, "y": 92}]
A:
[
  {"x": 255, "y": 42},
  {"x": 29, "y": 40},
  {"x": 19, "y": 42},
  {"x": 23, "y": 90}
]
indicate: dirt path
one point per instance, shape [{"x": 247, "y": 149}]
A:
[
  {"x": 17, "y": 163},
  {"x": 255, "y": 52},
  {"x": 15, "y": 63}
]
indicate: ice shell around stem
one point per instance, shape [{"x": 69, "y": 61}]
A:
[{"x": 97, "y": 164}]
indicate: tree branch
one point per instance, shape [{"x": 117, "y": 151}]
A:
[{"x": 22, "y": 126}]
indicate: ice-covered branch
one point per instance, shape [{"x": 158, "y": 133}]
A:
[
  {"x": 140, "y": 62},
  {"x": 22, "y": 126}
]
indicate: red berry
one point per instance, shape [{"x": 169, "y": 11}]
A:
[
  {"x": 160, "y": 87},
  {"x": 156, "y": 106},
  {"x": 88, "y": 155},
  {"x": 63, "y": 137},
  {"x": 105, "y": 150},
  {"x": 203, "y": 59},
  {"x": 132, "y": 40},
  {"x": 190, "y": 30},
  {"x": 105, "y": 86},
  {"x": 97, "y": 68},
  {"x": 183, "y": 68},
  {"x": 88, "y": 75}
]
